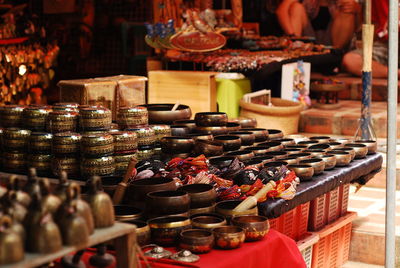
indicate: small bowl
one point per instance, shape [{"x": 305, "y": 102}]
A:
[
  {"x": 208, "y": 148},
  {"x": 216, "y": 130},
  {"x": 335, "y": 145},
  {"x": 208, "y": 221},
  {"x": 196, "y": 240},
  {"x": 330, "y": 161},
  {"x": 191, "y": 124},
  {"x": 301, "y": 147},
  {"x": 286, "y": 141},
  {"x": 247, "y": 138},
  {"x": 264, "y": 159},
  {"x": 254, "y": 162},
  {"x": 315, "y": 153},
  {"x": 179, "y": 130},
  {"x": 163, "y": 114},
  {"x": 261, "y": 134},
  {"x": 167, "y": 202},
  {"x": 201, "y": 195},
  {"x": 127, "y": 213},
  {"x": 165, "y": 230},
  {"x": 304, "y": 172},
  {"x": 233, "y": 126},
  {"x": 229, "y": 237},
  {"x": 229, "y": 142},
  {"x": 321, "y": 139},
  {"x": 221, "y": 162},
  {"x": 209, "y": 209},
  {"x": 342, "y": 158},
  {"x": 301, "y": 156},
  {"x": 275, "y": 134},
  {"x": 272, "y": 145},
  {"x": 211, "y": 119},
  {"x": 317, "y": 163},
  {"x": 290, "y": 160},
  {"x": 226, "y": 209},
  {"x": 307, "y": 143},
  {"x": 143, "y": 234},
  {"x": 258, "y": 150},
  {"x": 197, "y": 136},
  {"x": 275, "y": 164},
  {"x": 349, "y": 150},
  {"x": 278, "y": 154},
  {"x": 372, "y": 145},
  {"x": 290, "y": 151},
  {"x": 360, "y": 149},
  {"x": 255, "y": 227},
  {"x": 176, "y": 145},
  {"x": 320, "y": 146},
  {"x": 246, "y": 122},
  {"x": 242, "y": 155}
]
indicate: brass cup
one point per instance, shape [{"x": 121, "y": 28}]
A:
[
  {"x": 372, "y": 145},
  {"x": 360, "y": 149},
  {"x": 350, "y": 150},
  {"x": 330, "y": 161}
]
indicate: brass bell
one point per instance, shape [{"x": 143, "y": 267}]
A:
[
  {"x": 50, "y": 201},
  {"x": 82, "y": 207},
  {"x": 22, "y": 197},
  {"x": 11, "y": 244},
  {"x": 62, "y": 187},
  {"x": 3, "y": 191},
  {"x": 32, "y": 185},
  {"x": 11, "y": 206},
  {"x": 100, "y": 203}
]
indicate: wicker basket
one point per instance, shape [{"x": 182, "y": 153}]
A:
[{"x": 283, "y": 115}]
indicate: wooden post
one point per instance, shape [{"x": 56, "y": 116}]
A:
[{"x": 125, "y": 251}]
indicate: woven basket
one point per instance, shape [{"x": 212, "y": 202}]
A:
[{"x": 283, "y": 115}]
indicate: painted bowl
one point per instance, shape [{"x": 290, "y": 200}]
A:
[
  {"x": 255, "y": 227},
  {"x": 229, "y": 237},
  {"x": 165, "y": 230},
  {"x": 196, "y": 240}
]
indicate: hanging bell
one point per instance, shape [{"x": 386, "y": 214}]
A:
[
  {"x": 32, "y": 185},
  {"x": 11, "y": 244},
  {"x": 82, "y": 207},
  {"x": 12, "y": 206},
  {"x": 50, "y": 202},
  {"x": 22, "y": 197},
  {"x": 62, "y": 187}
]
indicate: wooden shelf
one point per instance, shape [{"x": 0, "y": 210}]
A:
[{"x": 124, "y": 235}]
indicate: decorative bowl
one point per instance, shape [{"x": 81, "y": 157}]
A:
[
  {"x": 304, "y": 172},
  {"x": 342, "y": 158},
  {"x": 207, "y": 220},
  {"x": 320, "y": 146},
  {"x": 290, "y": 160},
  {"x": 321, "y": 139},
  {"x": 211, "y": 119},
  {"x": 138, "y": 189},
  {"x": 307, "y": 143},
  {"x": 272, "y": 145},
  {"x": 315, "y": 153},
  {"x": 180, "y": 130},
  {"x": 233, "y": 126},
  {"x": 226, "y": 209},
  {"x": 258, "y": 150},
  {"x": 190, "y": 124},
  {"x": 97, "y": 145},
  {"x": 242, "y": 155},
  {"x": 278, "y": 154},
  {"x": 167, "y": 202},
  {"x": 208, "y": 209},
  {"x": 99, "y": 166},
  {"x": 201, "y": 195},
  {"x": 261, "y": 134},
  {"x": 208, "y": 148},
  {"x": 165, "y": 230},
  {"x": 61, "y": 121},
  {"x": 128, "y": 117},
  {"x": 145, "y": 135},
  {"x": 286, "y": 141},
  {"x": 196, "y": 136},
  {"x": 350, "y": 150},
  {"x": 124, "y": 141},
  {"x": 143, "y": 233},
  {"x": 301, "y": 156},
  {"x": 246, "y": 122},
  {"x": 372, "y": 145},
  {"x": 163, "y": 114},
  {"x": 255, "y": 227},
  {"x": 221, "y": 161},
  {"x": 127, "y": 213},
  {"x": 360, "y": 149},
  {"x": 40, "y": 142},
  {"x": 196, "y": 240},
  {"x": 317, "y": 163},
  {"x": 247, "y": 138},
  {"x": 330, "y": 161},
  {"x": 254, "y": 162},
  {"x": 275, "y": 134},
  {"x": 176, "y": 145},
  {"x": 161, "y": 131},
  {"x": 229, "y": 237},
  {"x": 216, "y": 130},
  {"x": 229, "y": 142}
]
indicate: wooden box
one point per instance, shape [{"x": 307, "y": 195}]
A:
[{"x": 196, "y": 89}]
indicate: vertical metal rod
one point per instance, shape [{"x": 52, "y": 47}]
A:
[{"x": 390, "y": 246}]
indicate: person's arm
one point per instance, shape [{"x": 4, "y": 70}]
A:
[{"x": 282, "y": 13}]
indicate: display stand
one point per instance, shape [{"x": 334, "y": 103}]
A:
[{"x": 123, "y": 234}]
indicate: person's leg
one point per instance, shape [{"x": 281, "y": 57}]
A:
[
  {"x": 343, "y": 27},
  {"x": 352, "y": 63},
  {"x": 298, "y": 18}
]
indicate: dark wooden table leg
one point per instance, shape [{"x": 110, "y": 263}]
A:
[{"x": 124, "y": 250}]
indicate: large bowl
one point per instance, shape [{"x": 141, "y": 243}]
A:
[
  {"x": 278, "y": 154},
  {"x": 163, "y": 114},
  {"x": 229, "y": 142},
  {"x": 143, "y": 234},
  {"x": 215, "y": 130},
  {"x": 372, "y": 145},
  {"x": 261, "y": 134},
  {"x": 196, "y": 240},
  {"x": 229, "y": 237},
  {"x": 317, "y": 163},
  {"x": 176, "y": 145},
  {"x": 360, "y": 149},
  {"x": 330, "y": 161},
  {"x": 208, "y": 148},
  {"x": 211, "y": 119},
  {"x": 208, "y": 221},
  {"x": 165, "y": 230},
  {"x": 233, "y": 126},
  {"x": 167, "y": 202},
  {"x": 201, "y": 195},
  {"x": 304, "y": 172},
  {"x": 275, "y": 134},
  {"x": 221, "y": 162},
  {"x": 180, "y": 130},
  {"x": 226, "y": 209},
  {"x": 286, "y": 141},
  {"x": 242, "y": 155},
  {"x": 191, "y": 124},
  {"x": 255, "y": 227},
  {"x": 138, "y": 189},
  {"x": 342, "y": 158},
  {"x": 127, "y": 213},
  {"x": 272, "y": 145}
]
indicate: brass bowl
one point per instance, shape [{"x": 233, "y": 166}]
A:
[
  {"x": 211, "y": 119},
  {"x": 145, "y": 135},
  {"x": 209, "y": 209},
  {"x": 246, "y": 122},
  {"x": 276, "y": 164},
  {"x": 207, "y": 220},
  {"x": 264, "y": 159},
  {"x": 335, "y": 145},
  {"x": 320, "y": 146},
  {"x": 128, "y": 117},
  {"x": 275, "y": 134},
  {"x": 221, "y": 162},
  {"x": 165, "y": 230},
  {"x": 232, "y": 126},
  {"x": 349, "y": 150},
  {"x": 229, "y": 142},
  {"x": 62, "y": 121},
  {"x": 208, "y": 148},
  {"x": 97, "y": 145},
  {"x": 180, "y": 130},
  {"x": 11, "y": 115},
  {"x": 291, "y": 151},
  {"x": 307, "y": 143},
  {"x": 163, "y": 114},
  {"x": 254, "y": 162},
  {"x": 343, "y": 141},
  {"x": 316, "y": 153},
  {"x": 342, "y": 158},
  {"x": 304, "y": 172},
  {"x": 216, "y": 130},
  {"x": 278, "y": 154},
  {"x": 161, "y": 131},
  {"x": 126, "y": 213},
  {"x": 258, "y": 150},
  {"x": 330, "y": 161},
  {"x": 360, "y": 149},
  {"x": 261, "y": 134},
  {"x": 95, "y": 118},
  {"x": 286, "y": 141},
  {"x": 229, "y": 237},
  {"x": 321, "y": 139},
  {"x": 302, "y": 156},
  {"x": 201, "y": 195},
  {"x": 301, "y": 147},
  {"x": 242, "y": 155},
  {"x": 255, "y": 227},
  {"x": 226, "y": 209},
  {"x": 167, "y": 202},
  {"x": 317, "y": 163},
  {"x": 297, "y": 137},
  {"x": 290, "y": 160},
  {"x": 176, "y": 145},
  {"x": 247, "y": 138},
  {"x": 372, "y": 145},
  {"x": 143, "y": 234},
  {"x": 190, "y": 124},
  {"x": 124, "y": 141},
  {"x": 272, "y": 145},
  {"x": 196, "y": 240},
  {"x": 101, "y": 166},
  {"x": 66, "y": 143},
  {"x": 40, "y": 142},
  {"x": 196, "y": 136}
]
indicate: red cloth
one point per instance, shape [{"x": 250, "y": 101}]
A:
[{"x": 379, "y": 14}]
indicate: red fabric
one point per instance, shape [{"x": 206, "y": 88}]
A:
[{"x": 379, "y": 14}]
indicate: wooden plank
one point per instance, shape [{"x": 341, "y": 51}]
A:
[
  {"x": 124, "y": 250},
  {"x": 32, "y": 260}
]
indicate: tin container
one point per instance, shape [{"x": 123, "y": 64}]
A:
[
  {"x": 100, "y": 166},
  {"x": 41, "y": 162},
  {"x": 160, "y": 132},
  {"x": 67, "y": 164},
  {"x": 66, "y": 143},
  {"x": 35, "y": 117},
  {"x": 40, "y": 142},
  {"x": 16, "y": 139},
  {"x": 11, "y": 115},
  {"x": 14, "y": 162},
  {"x": 62, "y": 121},
  {"x": 97, "y": 145},
  {"x": 145, "y": 134},
  {"x": 95, "y": 118},
  {"x": 129, "y": 117},
  {"x": 124, "y": 141}
]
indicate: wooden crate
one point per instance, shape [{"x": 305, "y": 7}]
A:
[{"x": 196, "y": 89}]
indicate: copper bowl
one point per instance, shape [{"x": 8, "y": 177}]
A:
[
  {"x": 221, "y": 161},
  {"x": 138, "y": 189},
  {"x": 302, "y": 156},
  {"x": 208, "y": 209},
  {"x": 254, "y": 162},
  {"x": 180, "y": 130},
  {"x": 286, "y": 141},
  {"x": 261, "y": 134},
  {"x": 292, "y": 151},
  {"x": 226, "y": 209},
  {"x": 176, "y": 145},
  {"x": 258, "y": 150},
  {"x": 317, "y": 163},
  {"x": 201, "y": 195},
  {"x": 278, "y": 154},
  {"x": 320, "y": 146},
  {"x": 360, "y": 149},
  {"x": 316, "y": 153},
  {"x": 165, "y": 230},
  {"x": 342, "y": 158},
  {"x": 143, "y": 234},
  {"x": 232, "y": 126},
  {"x": 241, "y": 155},
  {"x": 307, "y": 143},
  {"x": 372, "y": 145},
  {"x": 264, "y": 159},
  {"x": 246, "y": 122},
  {"x": 163, "y": 114},
  {"x": 304, "y": 172},
  {"x": 215, "y": 130},
  {"x": 196, "y": 240},
  {"x": 275, "y": 164},
  {"x": 229, "y": 142},
  {"x": 247, "y": 138},
  {"x": 229, "y": 237},
  {"x": 196, "y": 136},
  {"x": 350, "y": 150},
  {"x": 211, "y": 119},
  {"x": 321, "y": 139},
  {"x": 272, "y": 145},
  {"x": 190, "y": 124},
  {"x": 301, "y": 147},
  {"x": 275, "y": 134},
  {"x": 330, "y": 161},
  {"x": 335, "y": 145},
  {"x": 127, "y": 213},
  {"x": 208, "y": 220},
  {"x": 208, "y": 148},
  {"x": 167, "y": 202},
  {"x": 255, "y": 227},
  {"x": 290, "y": 160}
]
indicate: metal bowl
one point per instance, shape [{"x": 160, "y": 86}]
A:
[
  {"x": 342, "y": 158},
  {"x": 290, "y": 160},
  {"x": 275, "y": 134},
  {"x": 261, "y": 134},
  {"x": 317, "y": 163},
  {"x": 229, "y": 142},
  {"x": 163, "y": 114},
  {"x": 272, "y": 145},
  {"x": 321, "y": 139},
  {"x": 301, "y": 156},
  {"x": 196, "y": 240},
  {"x": 176, "y": 145},
  {"x": 304, "y": 172},
  {"x": 286, "y": 141},
  {"x": 229, "y": 237},
  {"x": 201, "y": 195},
  {"x": 208, "y": 148},
  {"x": 372, "y": 145},
  {"x": 255, "y": 227},
  {"x": 242, "y": 155},
  {"x": 247, "y": 138},
  {"x": 360, "y": 149},
  {"x": 207, "y": 221},
  {"x": 211, "y": 119},
  {"x": 330, "y": 161},
  {"x": 349, "y": 150}
]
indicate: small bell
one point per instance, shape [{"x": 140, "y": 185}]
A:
[{"x": 11, "y": 244}]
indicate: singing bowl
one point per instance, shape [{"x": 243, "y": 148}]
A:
[
  {"x": 264, "y": 159},
  {"x": 296, "y": 137},
  {"x": 317, "y": 163},
  {"x": 190, "y": 124},
  {"x": 290, "y": 160},
  {"x": 127, "y": 213},
  {"x": 300, "y": 147},
  {"x": 143, "y": 234},
  {"x": 179, "y": 131},
  {"x": 176, "y": 145},
  {"x": 215, "y": 130},
  {"x": 201, "y": 195},
  {"x": 330, "y": 161},
  {"x": 246, "y": 122},
  {"x": 286, "y": 141},
  {"x": 110, "y": 183},
  {"x": 272, "y": 145},
  {"x": 242, "y": 155},
  {"x": 307, "y": 143},
  {"x": 321, "y": 139},
  {"x": 315, "y": 153},
  {"x": 196, "y": 240},
  {"x": 275, "y": 164},
  {"x": 233, "y": 126},
  {"x": 163, "y": 114},
  {"x": 138, "y": 189},
  {"x": 226, "y": 209},
  {"x": 254, "y": 162},
  {"x": 229, "y": 237},
  {"x": 208, "y": 148},
  {"x": 301, "y": 156},
  {"x": 372, "y": 145},
  {"x": 247, "y": 138},
  {"x": 304, "y": 172},
  {"x": 335, "y": 145},
  {"x": 255, "y": 227},
  {"x": 167, "y": 202},
  {"x": 261, "y": 134},
  {"x": 196, "y": 136},
  {"x": 278, "y": 154},
  {"x": 343, "y": 141},
  {"x": 210, "y": 119},
  {"x": 258, "y": 150},
  {"x": 320, "y": 146},
  {"x": 290, "y": 151},
  {"x": 221, "y": 162},
  {"x": 360, "y": 149},
  {"x": 350, "y": 150},
  {"x": 229, "y": 142},
  {"x": 165, "y": 230},
  {"x": 274, "y": 134},
  {"x": 208, "y": 209},
  {"x": 342, "y": 158}
]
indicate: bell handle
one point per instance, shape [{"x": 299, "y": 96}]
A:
[
  {"x": 73, "y": 191},
  {"x": 5, "y": 222},
  {"x": 63, "y": 179},
  {"x": 95, "y": 184},
  {"x": 32, "y": 175},
  {"x": 13, "y": 183},
  {"x": 44, "y": 186}
]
